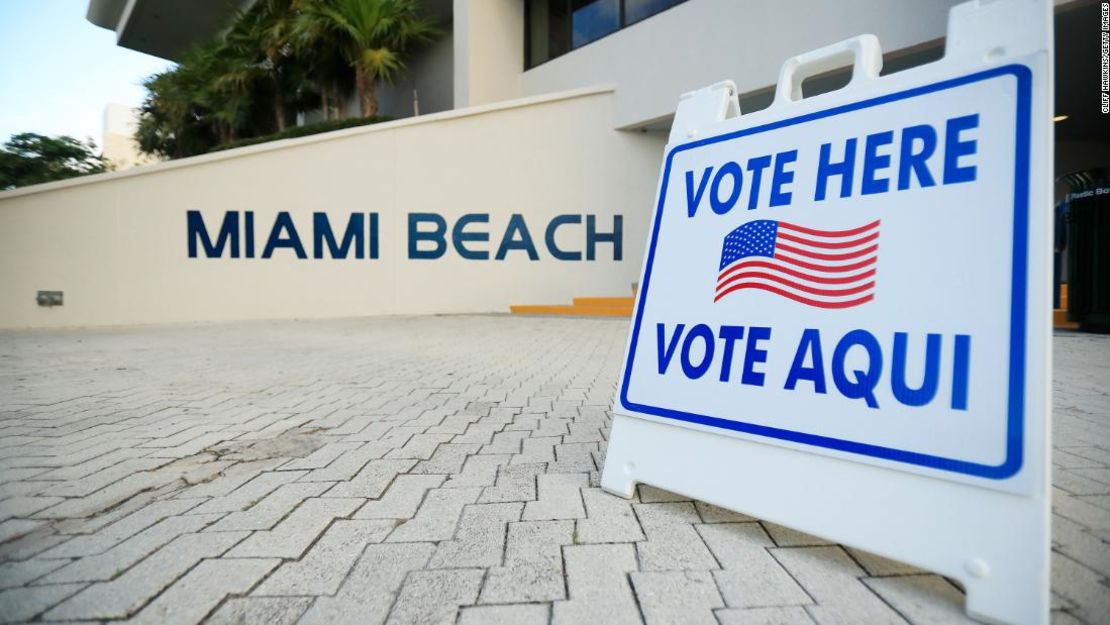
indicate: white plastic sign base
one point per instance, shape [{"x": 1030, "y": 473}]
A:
[{"x": 843, "y": 319}]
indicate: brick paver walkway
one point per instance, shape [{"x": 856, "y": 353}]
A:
[{"x": 423, "y": 470}]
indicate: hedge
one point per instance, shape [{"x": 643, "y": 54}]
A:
[{"x": 303, "y": 131}]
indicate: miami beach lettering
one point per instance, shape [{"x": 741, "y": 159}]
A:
[{"x": 430, "y": 237}]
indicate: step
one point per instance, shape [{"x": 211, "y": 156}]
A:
[
  {"x": 603, "y": 301},
  {"x": 579, "y": 311},
  {"x": 1060, "y": 320}
]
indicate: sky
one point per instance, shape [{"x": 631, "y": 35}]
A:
[{"x": 58, "y": 70}]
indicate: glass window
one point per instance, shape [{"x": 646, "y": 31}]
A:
[
  {"x": 554, "y": 27},
  {"x": 636, "y": 10},
  {"x": 593, "y": 19},
  {"x": 548, "y": 30}
]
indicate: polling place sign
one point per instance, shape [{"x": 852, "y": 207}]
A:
[{"x": 843, "y": 317}]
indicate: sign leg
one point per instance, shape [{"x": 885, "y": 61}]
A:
[{"x": 619, "y": 475}]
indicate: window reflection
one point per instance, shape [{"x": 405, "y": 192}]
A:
[
  {"x": 636, "y": 10},
  {"x": 593, "y": 19},
  {"x": 555, "y": 27}
]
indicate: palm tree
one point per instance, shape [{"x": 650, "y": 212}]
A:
[
  {"x": 325, "y": 68},
  {"x": 262, "y": 39},
  {"x": 371, "y": 35},
  {"x": 211, "y": 97}
]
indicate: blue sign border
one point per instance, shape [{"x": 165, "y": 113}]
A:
[{"x": 1016, "y": 397}]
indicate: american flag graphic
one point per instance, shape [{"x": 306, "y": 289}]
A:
[{"x": 822, "y": 268}]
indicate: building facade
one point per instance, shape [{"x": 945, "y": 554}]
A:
[{"x": 521, "y": 169}]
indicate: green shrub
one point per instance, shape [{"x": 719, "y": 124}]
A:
[{"x": 303, "y": 131}]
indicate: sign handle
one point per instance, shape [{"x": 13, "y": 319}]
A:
[{"x": 863, "y": 52}]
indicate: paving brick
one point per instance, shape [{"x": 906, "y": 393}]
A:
[
  {"x": 260, "y": 611},
  {"x": 420, "y": 446},
  {"x": 24, "y": 604},
  {"x": 372, "y": 480},
  {"x": 402, "y": 499},
  {"x": 324, "y": 567},
  {"x": 107, "y": 497},
  {"x": 322, "y": 457},
  {"x": 25, "y": 506},
  {"x": 832, "y": 579},
  {"x": 507, "y": 442},
  {"x": 528, "y": 614},
  {"x": 120, "y": 530},
  {"x": 124, "y": 595},
  {"x": 271, "y": 509},
  {"x": 447, "y": 459},
  {"x": 598, "y": 585},
  {"x": 369, "y": 591},
  {"x": 202, "y": 589},
  {"x": 922, "y": 598},
  {"x": 764, "y": 616},
  {"x": 20, "y": 573},
  {"x": 787, "y": 537},
  {"x": 574, "y": 458},
  {"x": 677, "y": 597},
  {"x": 14, "y": 528},
  {"x": 880, "y": 566},
  {"x": 651, "y": 494},
  {"x": 672, "y": 542},
  {"x": 1079, "y": 511},
  {"x": 480, "y": 432},
  {"x": 251, "y": 491},
  {"x": 437, "y": 517},
  {"x": 533, "y": 568},
  {"x": 480, "y": 539},
  {"x": 483, "y": 416},
  {"x": 560, "y": 497},
  {"x": 751, "y": 576},
  {"x": 515, "y": 482},
  {"x": 1083, "y": 587},
  {"x": 609, "y": 519},
  {"x": 1075, "y": 542},
  {"x": 715, "y": 514},
  {"x": 537, "y": 449},
  {"x": 479, "y": 470},
  {"x": 435, "y": 596},
  {"x": 346, "y": 466},
  {"x": 296, "y": 532},
  {"x": 103, "y": 478},
  {"x": 105, "y": 566},
  {"x": 31, "y": 543},
  {"x": 1063, "y": 618}
]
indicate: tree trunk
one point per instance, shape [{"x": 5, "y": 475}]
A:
[
  {"x": 336, "y": 110},
  {"x": 367, "y": 96},
  {"x": 325, "y": 102},
  {"x": 279, "y": 108}
]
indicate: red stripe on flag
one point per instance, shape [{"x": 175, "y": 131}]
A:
[
  {"x": 834, "y": 245},
  {"x": 826, "y": 268},
  {"x": 783, "y": 225},
  {"x": 762, "y": 264},
  {"x": 819, "y": 256},
  {"x": 759, "y": 275},
  {"x": 795, "y": 297}
]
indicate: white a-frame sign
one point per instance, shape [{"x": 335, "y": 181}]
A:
[{"x": 843, "y": 318}]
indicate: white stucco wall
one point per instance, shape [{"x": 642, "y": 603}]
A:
[
  {"x": 489, "y": 51},
  {"x": 701, "y": 42},
  {"x": 116, "y": 244}
]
